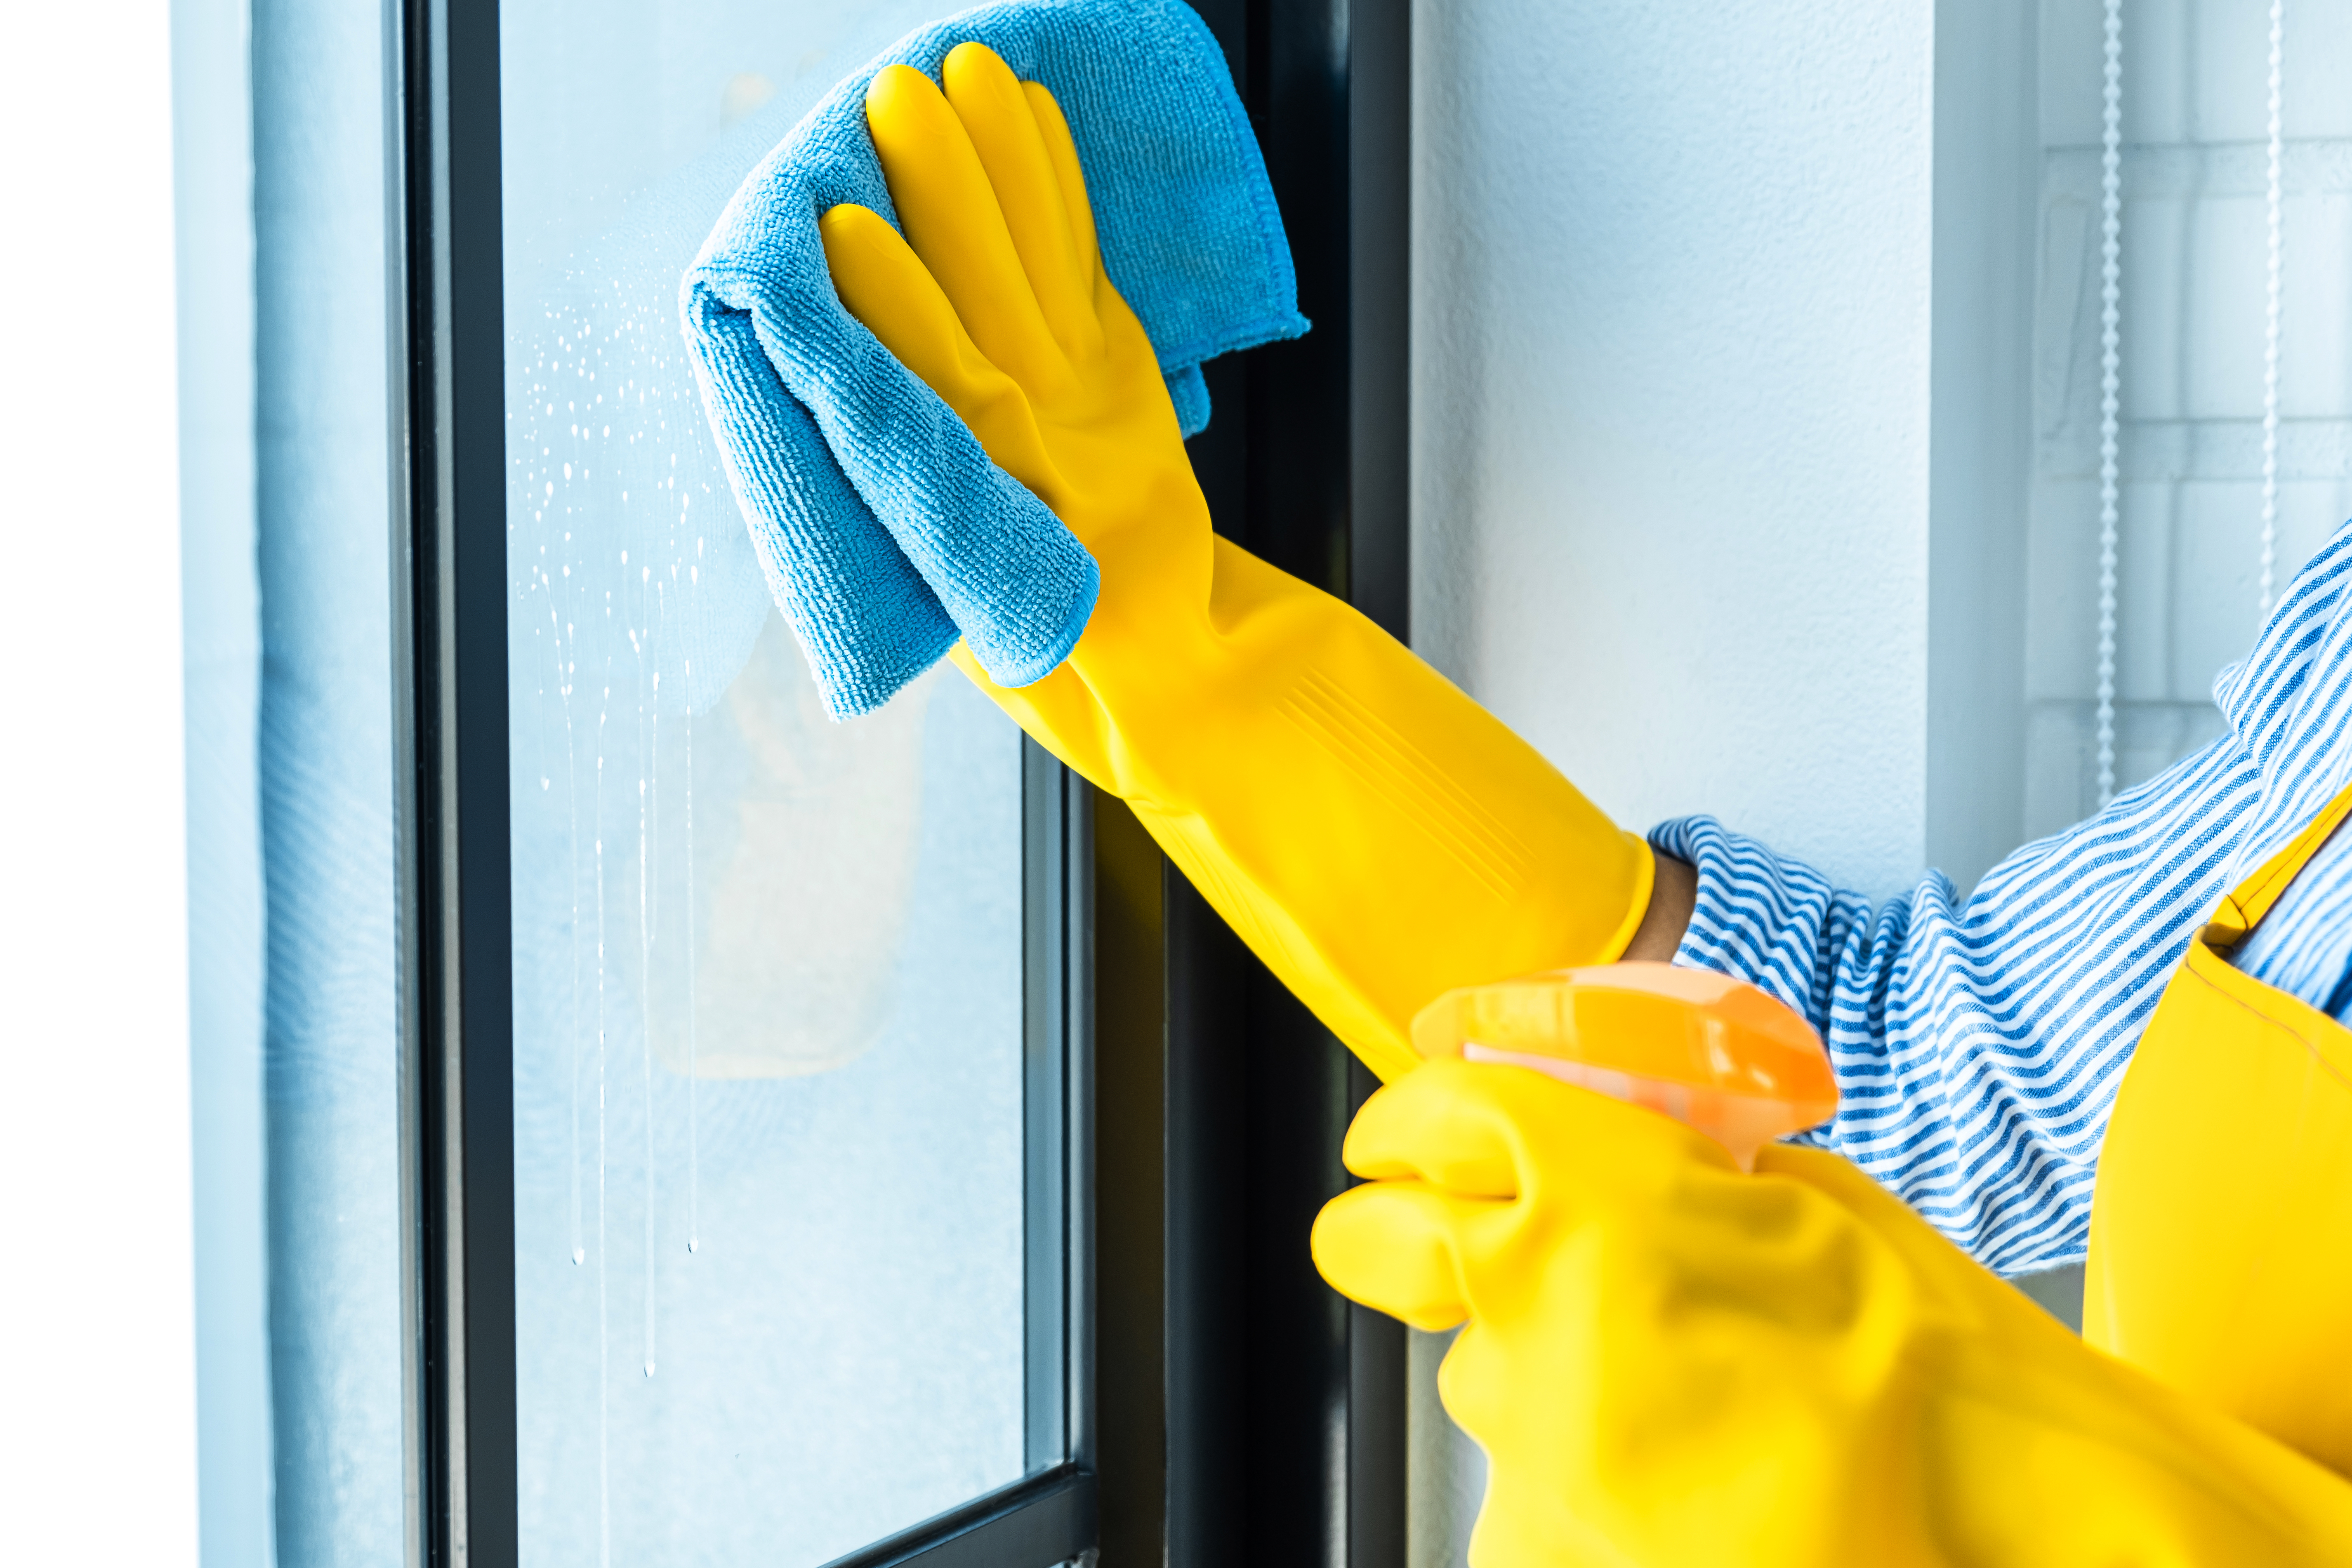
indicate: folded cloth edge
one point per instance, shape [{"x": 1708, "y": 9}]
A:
[{"x": 1023, "y": 603}]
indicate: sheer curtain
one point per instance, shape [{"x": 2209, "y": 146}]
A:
[
  {"x": 286, "y": 428},
  {"x": 323, "y": 529}
]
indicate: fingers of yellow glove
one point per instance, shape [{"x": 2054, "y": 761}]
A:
[
  {"x": 884, "y": 284},
  {"x": 1123, "y": 336},
  {"x": 953, "y": 222},
  {"x": 997, "y": 114},
  {"x": 1063, "y": 153},
  {"x": 1440, "y": 1122},
  {"x": 1395, "y": 1247},
  {"x": 1491, "y": 1130}
]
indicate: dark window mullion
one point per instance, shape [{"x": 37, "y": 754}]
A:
[
  {"x": 454, "y": 826},
  {"x": 1304, "y": 464}
]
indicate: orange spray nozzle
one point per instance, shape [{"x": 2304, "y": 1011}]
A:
[{"x": 1714, "y": 1053}]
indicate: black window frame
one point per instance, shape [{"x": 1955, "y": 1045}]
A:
[
  {"x": 1285, "y": 1405},
  {"x": 1210, "y": 1439}
]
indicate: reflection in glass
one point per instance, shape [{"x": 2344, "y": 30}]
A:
[{"x": 769, "y": 1205}]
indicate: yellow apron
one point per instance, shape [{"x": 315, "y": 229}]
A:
[{"x": 2222, "y": 1224}]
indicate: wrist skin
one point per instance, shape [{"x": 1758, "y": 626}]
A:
[{"x": 1674, "y": 895}]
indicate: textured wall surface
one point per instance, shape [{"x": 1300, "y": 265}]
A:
[{"x": 1671, "y": 394}]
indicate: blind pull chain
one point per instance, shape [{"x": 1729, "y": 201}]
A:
[{"x": 2111, "y": 204}]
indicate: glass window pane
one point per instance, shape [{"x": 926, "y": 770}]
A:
[{"x": 768, "y": 1049}]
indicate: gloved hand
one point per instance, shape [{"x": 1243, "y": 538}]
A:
[
  {"x": 1298, "y": 764},
  {"x": 1669, "y": 1362}
]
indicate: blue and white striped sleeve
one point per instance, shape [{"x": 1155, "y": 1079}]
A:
[{"x": 1977, "y": 1045}]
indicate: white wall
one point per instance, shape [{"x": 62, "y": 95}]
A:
[
  {"x": 101, "y": 1462},
  {"x": 1671, "y": 400}
]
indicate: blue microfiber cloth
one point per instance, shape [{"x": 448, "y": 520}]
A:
[{"x": 884, "y": 529}]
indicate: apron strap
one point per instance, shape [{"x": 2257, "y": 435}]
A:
[{"x": 2243, "y": 908}]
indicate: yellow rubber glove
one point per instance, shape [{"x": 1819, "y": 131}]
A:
[
  {"x": 1374, "y": 835},
  {"x": 1670, "y": 1362}
]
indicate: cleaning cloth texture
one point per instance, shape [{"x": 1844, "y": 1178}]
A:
[{"x": 884, "y": 529}]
